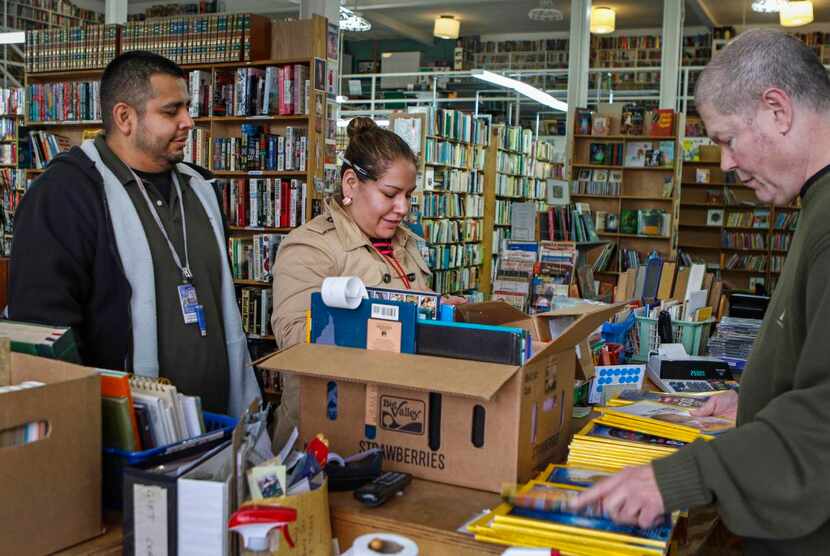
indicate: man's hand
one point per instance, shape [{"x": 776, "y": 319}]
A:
[
  {"x": 720, "y": 405},
  {"x": 630, "y": 497}
]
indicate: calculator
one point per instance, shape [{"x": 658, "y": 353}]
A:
[{"x": 695, "y": 386}]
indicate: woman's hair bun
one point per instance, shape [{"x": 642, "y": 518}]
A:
[{"x": 359, "y": 125}]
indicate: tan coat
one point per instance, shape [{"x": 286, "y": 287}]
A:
[{"x": 329, "y": 245}]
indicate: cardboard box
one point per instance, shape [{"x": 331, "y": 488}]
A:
[
  {"x": 461, "y": 422},
  {"x": 51, "y": 488}
]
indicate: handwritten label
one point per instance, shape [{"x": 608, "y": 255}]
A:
[{"x": 150, "y": 517}]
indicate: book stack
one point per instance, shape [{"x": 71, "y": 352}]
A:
[
  {"x": 68, "y": 101},
  {"x": 734, "y": 338},
  {"x": 640, "y": 432},
  {"x": 199, "y": 39},
  {"x": 447, "y": 257},
  {"x": 53, "y": 342},
  {"x": 11, "y": 101},
  {"x": 536, "y": 515},
  {"x": 257, "y": 149},
  {"x": 255, "y": 305},
  {"x": 517, "y": 261},
  {"x": 264, "y": 202},
  {"x": 253, "y": 258},
  {"x": 64, "y": 49},
  {"x": 197, "y": 148},
  {"x": 447, "y": 154},
  {"x": 553, "y": 274},
  {"x": 45, "y": 146},
  {"x": 273, "y": 90}
]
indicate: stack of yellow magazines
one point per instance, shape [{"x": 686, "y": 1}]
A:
[
  {"x": 548, "y": 523},
  {"x": 636, "y": 433}
]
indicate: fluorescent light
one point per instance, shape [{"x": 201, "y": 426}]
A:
[
  {"x": 767, "y": 6},
  {"x": 795, "y": 14},
  {"x": 446, "y": 27},
  {"x": 17, "y": 37},
  {"x": 521, "y": 87},
  {"x": 340, "y": 99},
  {"x": 602, "y": 20}
]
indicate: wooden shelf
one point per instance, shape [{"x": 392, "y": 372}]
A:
[
  {"x": 740, "y": 250},
  {"x": 640, "y": 198},
  {"x": 701, "y": 226},
  {"x": 264, "y": 118},
  {"x": 265, "y": 338},
  {"x": 257, "y": 283},
  {"x": 447, "y": 166},
  {"x": 67, "y": 123},
  {"x": 743, "y": 271},
  {"x": 710, "y": 184},
  {"x": 702, "y": 205},
  {"x": 744, "y": 228},
  {"x": 705, "y": 247},
  {"x": 637, "y": 236},
  {"x": 257, "y": 173},
  {"x": 598, "y": 166},
  {"x": 587, "y": 196},
  {"x": 627, "y": 137},
  {"x": 260, "y": 229}
]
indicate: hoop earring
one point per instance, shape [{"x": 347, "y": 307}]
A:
[{"x": 347, "y": 201}]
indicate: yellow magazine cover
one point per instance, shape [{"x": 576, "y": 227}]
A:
[
  {"x": 598, "y": 432},
  {"x": 588, "y": 523},
  {"x": 644, "y": 427},
  {"x": 648, "y": 412},
  {"x": 575, "y": 475}
]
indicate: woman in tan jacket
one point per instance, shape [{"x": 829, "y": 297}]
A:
[{"x": 359, "y": 234}]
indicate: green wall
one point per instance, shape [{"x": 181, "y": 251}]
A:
[{"x": 440, "y": 51}]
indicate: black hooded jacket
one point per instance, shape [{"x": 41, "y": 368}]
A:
[{"x": 65, "y": 269}]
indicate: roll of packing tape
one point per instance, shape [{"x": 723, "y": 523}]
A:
[
  {"x": 343, "y": 292},
  {"x": 375, "y": 544}
]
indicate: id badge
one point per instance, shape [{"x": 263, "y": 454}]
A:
[{"x": 189, "y": 302}]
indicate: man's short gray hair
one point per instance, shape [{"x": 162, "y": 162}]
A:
[{"x": 757, "y": 59}]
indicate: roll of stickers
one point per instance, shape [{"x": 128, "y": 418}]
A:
[
  {"x": 375, "y": 544},
  {"x": 343, "y": 292}
]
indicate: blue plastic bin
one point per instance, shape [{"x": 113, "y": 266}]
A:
[
  {"x": 219, "y": 428},
  {"x": 618, "y": 333}
]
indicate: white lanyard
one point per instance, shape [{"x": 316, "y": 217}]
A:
[{"x": 187, "y": 275}]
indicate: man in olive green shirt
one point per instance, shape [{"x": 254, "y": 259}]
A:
[{"x": 765, "y": 99}]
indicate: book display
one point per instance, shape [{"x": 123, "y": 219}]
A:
[
  {"x": 625, "y": 169},
  {"x": 258, "y": 124},
  {"x": 723, "y": 224},
  {"x": 12, "y": 181}
]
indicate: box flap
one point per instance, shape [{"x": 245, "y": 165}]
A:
[
  {"x": 456, "y": 377},
  {"x": 590, "y": 318},
  {"x": 490, "y": 312}
]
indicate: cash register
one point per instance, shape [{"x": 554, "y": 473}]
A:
[{"x": 673, "y": 370}]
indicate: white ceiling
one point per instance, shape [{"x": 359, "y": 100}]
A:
[{"x": 414, "y": 18}]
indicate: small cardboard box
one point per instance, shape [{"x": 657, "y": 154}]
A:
[
  {"x": 468, "y": 423},
  {"x": 51, "y": 488}
]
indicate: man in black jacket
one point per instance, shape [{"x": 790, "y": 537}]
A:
[{"x": 121, "y": 241}]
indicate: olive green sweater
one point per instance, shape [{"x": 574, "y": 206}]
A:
[{"x": 770, "y": 477}]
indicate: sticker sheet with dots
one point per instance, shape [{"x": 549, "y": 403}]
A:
[{"x": 630, "y": 376}]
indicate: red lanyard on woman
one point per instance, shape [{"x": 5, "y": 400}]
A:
[{"x": 393, "y": 262}]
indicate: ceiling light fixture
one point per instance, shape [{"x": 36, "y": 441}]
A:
[
  {"x": 767, "y": 6},
  {"x": 602, "y": 20},
  {"x": 446, "y": 27},
  {"x": 795, "y": 14},
  {"x": 353, "y": 22},
  {"x": 545, "y": 12},
  {"x": 521, "y": 87}
]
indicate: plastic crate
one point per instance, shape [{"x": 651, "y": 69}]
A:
[
  {"x": 692, "y": 335},
  {"x": 219, "y": 428}
]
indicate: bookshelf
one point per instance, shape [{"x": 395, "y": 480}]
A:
[
  {"x": 266, "y": 156},
  {"x": 39, "y": 14},
  {"x": 723, "y": 225},
  {"x": 13, "y": 182},
  {"x": 452, "y": 202},
  {"x": 629, "y": 182}
]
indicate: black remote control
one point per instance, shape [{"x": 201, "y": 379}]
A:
[{"x": 383, "y": 488}]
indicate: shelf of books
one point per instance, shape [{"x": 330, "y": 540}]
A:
[
  {"x": 452, "y": 201},
  {"x": 39, "y": 14},
  {"x": 722, "y": 223},
  {"x": 624, "y": 167},
  {"x": 12, "y": 180},
  {"x": 258, "y": 128}
]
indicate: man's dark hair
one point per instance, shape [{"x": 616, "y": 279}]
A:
[{"x": 127, "y": 79}]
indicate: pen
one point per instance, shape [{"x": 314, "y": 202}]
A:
[{"x": 200, "y": 319}]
